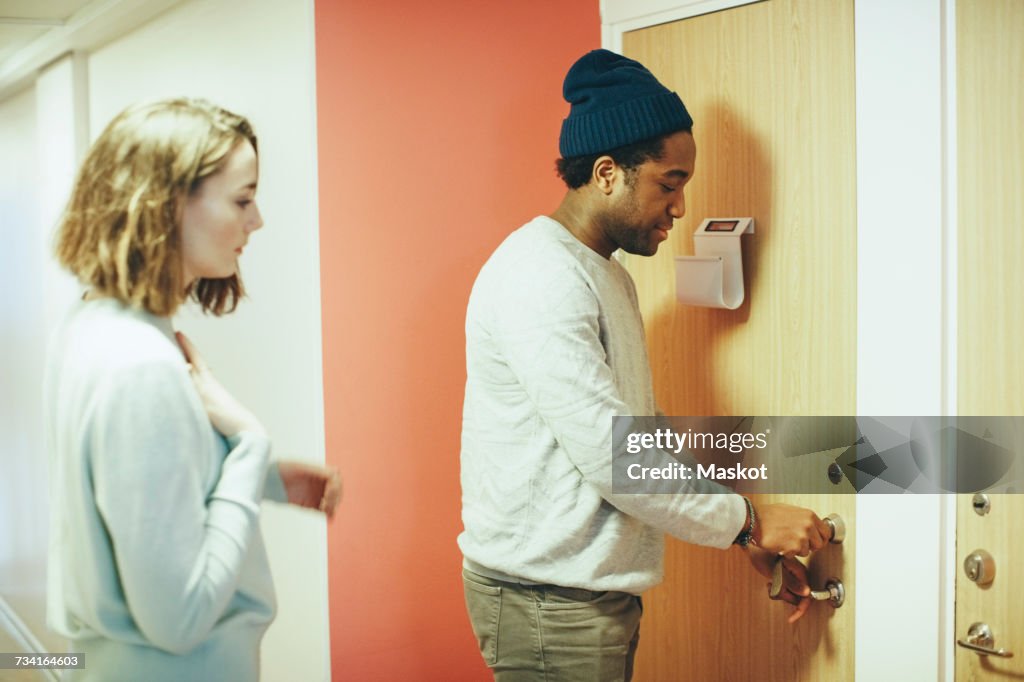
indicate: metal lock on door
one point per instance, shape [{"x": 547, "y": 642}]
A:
[{"x": 980, "y": 567}]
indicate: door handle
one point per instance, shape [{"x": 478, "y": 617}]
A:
[
  {"x": 980, "y": 640},
  {"x": 834, "y": 592}
]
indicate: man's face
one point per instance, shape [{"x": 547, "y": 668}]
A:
[{"x": 645, "y": 204}]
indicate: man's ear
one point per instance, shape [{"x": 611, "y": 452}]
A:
[{"x": 605, "y": 170}]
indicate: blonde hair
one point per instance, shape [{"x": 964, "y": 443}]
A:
[{"x": 121, "y": 231}]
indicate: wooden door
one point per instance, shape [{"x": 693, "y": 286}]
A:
[
  {"x": 771, "y": 90},
  {"x": 990, "y": 358}
]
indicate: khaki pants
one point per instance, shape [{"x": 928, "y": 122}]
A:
[{"x": 529, "y": 633}]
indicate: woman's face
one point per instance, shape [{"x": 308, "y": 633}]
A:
[{"x": 219, "y": 217}]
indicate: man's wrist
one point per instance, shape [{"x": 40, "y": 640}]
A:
[{"x": 746, "y": 535}]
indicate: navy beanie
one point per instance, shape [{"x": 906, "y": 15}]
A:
[{"x": 615, "y": 101}]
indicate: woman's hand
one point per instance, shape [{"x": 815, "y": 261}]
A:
[
  {"x": 311, "y": 486},
  {"x": 226, "y": 414}
]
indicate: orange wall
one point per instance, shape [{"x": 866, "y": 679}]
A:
[{"x": 438, "y": 127}]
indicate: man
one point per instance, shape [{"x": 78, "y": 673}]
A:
[{"x": 554, "y": 560}]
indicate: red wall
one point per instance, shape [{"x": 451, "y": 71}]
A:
[{"x": 438, "y": 128}]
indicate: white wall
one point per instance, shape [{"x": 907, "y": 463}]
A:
[
  {"x": 256, "y": 58},
  {"x": 901, "y": 333},
  {"x": 23, "y": 502}
]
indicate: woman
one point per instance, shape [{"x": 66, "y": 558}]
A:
[{"x": 157, "y": 566}]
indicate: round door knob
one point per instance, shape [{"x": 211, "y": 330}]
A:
[{"x": 835, "y": 521}]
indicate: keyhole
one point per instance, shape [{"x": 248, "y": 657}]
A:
[{"x": 980, "y": 567}]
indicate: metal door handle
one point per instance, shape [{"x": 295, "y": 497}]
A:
[
  {"x": 985, "y": 651},
  {"x": 834, "y": 592},
  {"x": 980, "y": 640}
]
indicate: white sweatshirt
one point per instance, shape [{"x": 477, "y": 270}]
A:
[
  {"x": 157, "y": 569},
  {"x": 554, "y": 350}
]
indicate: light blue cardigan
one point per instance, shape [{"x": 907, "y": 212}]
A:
[{"x": 157, "y": 569}]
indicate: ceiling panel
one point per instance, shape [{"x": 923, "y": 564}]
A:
[
  {"x": 23, "y": 21},
  {"x": 40, "y": 9},
  {"x": 13, "y": 38},
  {"x": 33, "y": 33}
]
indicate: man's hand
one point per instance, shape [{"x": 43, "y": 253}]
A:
[
  {"x": 790, "y": 531},
  {"x": 311, "y": 486},
  {"x": 795, "y": 589}
]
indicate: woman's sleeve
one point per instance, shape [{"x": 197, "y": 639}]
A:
[
  {"x": 274, "y": 490},
  {"x": 178, "y": 554}
]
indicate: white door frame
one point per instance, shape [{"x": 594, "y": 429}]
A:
[{"x": 906, "y": 306}]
